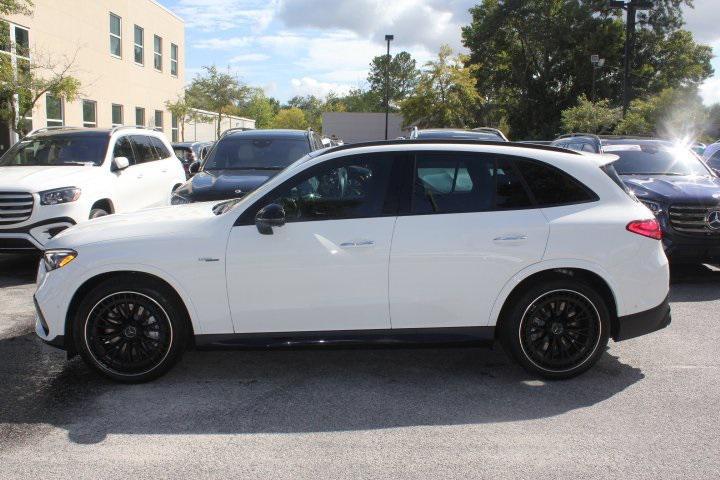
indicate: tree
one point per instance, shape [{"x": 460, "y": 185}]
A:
[
  {"x": 590, "y": 117},
  {"x": 292, "y": 118},
  {"x": 532, "y": 57},
  {"x": 359, "y": 100},
  {"x": 445, "y": 96},
  {"x": 12, "y": 7},
  {"x": 260, "y": 108},
  {"x": 674, "y": 113},
  {"x": 22, "y": 87},
  {"x": 182, "y": 111},
  {"x": 217, "y": 92},
  {"x": 403, "y": 75}
]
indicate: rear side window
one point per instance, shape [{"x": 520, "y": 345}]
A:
[
  {"x": 144, "y": 149},
  {"x": 550, "y": 186},
  {"x": 160, "y": 148}
]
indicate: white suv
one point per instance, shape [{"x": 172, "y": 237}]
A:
[
  {"x": 390, "y": 243},
  {"x": 57, "y": 177}
]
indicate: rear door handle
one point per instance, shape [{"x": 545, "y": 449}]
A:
[
  {"x": 511, "y": 239},
  {"x": 357, "y": 244}
]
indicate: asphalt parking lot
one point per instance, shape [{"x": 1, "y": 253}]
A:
[{"x": 649, "y": 409}]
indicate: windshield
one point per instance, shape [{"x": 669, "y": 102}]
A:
[
  {"x": 656, "y": 159},
  {"x": 459, "y": 135},
  {"x": 57, "y": 150},
  {"x": 259, "y": 153}
]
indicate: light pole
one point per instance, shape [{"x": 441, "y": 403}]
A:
[
  {"x": 631, "y": 6},
  {"x": 388, "y": 39},
  {"x": 596, "y": 62}
]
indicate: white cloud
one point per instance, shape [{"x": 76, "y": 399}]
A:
[
  {"x": 222, "y": 43},
  {"x": 213, "y": 15},
  {"x": 710, "y": 91},
  {"x": 311, "y": 86},
  {"x": 249, "y": 57}
]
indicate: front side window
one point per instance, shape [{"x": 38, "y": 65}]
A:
[
  {"x": 123, "y": 148},
  {"x": 115, "y": 35},
  {"x": 54, "y": 111},
  {"x": 89, "y": 113},
  {"x": 353, "y": 187},
  {"x": 173, "y": 59},
  {"x": 240, "y": 152},
  {"x": 117, "y": 115},
  {"x": 159, "y": 119},
  {"x": 75, "y": 149},
  {"x": 139, "y": 45},
  {"x": 139, "y": 116},
  {"x": 551, "y": 186},
  {"x": 157, "y": 60}
]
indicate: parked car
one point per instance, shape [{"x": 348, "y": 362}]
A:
[
  {"x": 57, "y": 177},
  {"x": 383, "y": 243},
  {"x": 536, "y": 142},
  {"x": 679, "y": 188},
  {"x": 482, "y": 134},
  {"x": 243, "y": 160},
  {"x": 190, "y": 152}
]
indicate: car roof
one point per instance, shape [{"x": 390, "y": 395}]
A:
[
  {"x": 269, "y": 133},
  {"x": 634, "y": 141}
]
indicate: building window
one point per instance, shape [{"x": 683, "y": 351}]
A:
[
  {"x": 115, "y": 35},
  {"x": 139, "y": 116},
  {"x": 174, "y": 128},
  {"x": 158, "y": 52},
  {"x": 54, "y": 111},
  {"x": 173, "y": 59},
  {"x": 159, "y": 119},
  {"x": 117, "y": 115},
  {"x": 139, "y": 45},
  {"x": 22, "y": 42},
  {"x": 89, "y": 113}
]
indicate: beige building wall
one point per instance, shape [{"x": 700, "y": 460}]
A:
[
  {"x": 206, "y": 130},
  {"x": 63, "y": 29}
]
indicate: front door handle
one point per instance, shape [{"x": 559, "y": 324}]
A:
[
  {"x": 512, "y": 239},
  {"x": 357, "y": 243}
]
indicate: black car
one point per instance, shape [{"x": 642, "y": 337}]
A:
[
  {"x": 191, "y": 152},
  {"x": 242, "y": 160},
  {"x": 482, "y": 134},
  {"x": 675, "y": 184}
]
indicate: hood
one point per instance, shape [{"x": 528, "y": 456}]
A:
[
  {"x": 674, "y": 189},
  {"x": 155, "y": 223},
  {"x": 224, "y": 184},
  {"x": 38, "y": 178}
]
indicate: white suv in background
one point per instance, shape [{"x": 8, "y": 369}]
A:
[
  {"x": 57, "y": 177},
  {"x": 388, "y": 243}
]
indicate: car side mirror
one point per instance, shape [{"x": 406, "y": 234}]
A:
[
  {"x": 194, "y": 167},
  {"x": 270, "y": 216},
  {"x": 120, "y": 163}
]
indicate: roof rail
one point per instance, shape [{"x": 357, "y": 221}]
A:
[
  {"x": 580, "y": 134},
  {"x": 45, "y": 129},
  {"x": 233, "y": 129},
  {"x": 140, "y": 127},
  {"x": 349, "y": 146},
  {"x": 491, "y": 130}
]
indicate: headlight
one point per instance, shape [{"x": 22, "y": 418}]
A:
[
  {"x": 55, "y": 259},
  {"x": 179, "y": 200},
  {"x": 59, "y": 195},
  {"x": 654, "y": 207}
]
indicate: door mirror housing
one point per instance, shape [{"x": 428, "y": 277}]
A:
[
  {"x": 270, "y": 216},
  {"x": 120, "y": 163},
  {"x": 194, "y": 167}
]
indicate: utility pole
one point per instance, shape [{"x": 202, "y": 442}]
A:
[
  {"x": 632, "y": 7},
  {"x": 388, "y": 39}
]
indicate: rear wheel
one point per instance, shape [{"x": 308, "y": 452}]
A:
[
  {"x": 557, "y": 329},
  {"x": 131, "y": 330}
]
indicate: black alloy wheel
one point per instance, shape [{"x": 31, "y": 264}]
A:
[
  {"x": 560, "y": 330},
  {"x": 128, "y": 333}
]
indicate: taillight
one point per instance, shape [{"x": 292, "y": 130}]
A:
[{"x": 646, "y": 228}]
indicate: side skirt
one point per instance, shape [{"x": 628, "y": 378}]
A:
[{"x": 403, "y": 337}]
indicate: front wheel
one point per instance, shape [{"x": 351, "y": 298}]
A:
[
  {"x": 97, "y": 212},
  {"x": 557, "y": 329},
  {"x": 130, "y": 330}
]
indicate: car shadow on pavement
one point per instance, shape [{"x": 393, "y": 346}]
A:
[
  {"x": 17, "y": 269},
  {"x": 694, "y": 283},
  {"x": 238, "y": 392}
]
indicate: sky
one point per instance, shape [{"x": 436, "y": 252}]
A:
[{"x": 302, "y": 47}]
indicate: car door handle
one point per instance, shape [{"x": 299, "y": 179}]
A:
[
  {"x": 164, "y": 170},
  {"x": 357, "y": 243},
  {"x": 510, "y": 238},
  {"x": 140, "y": 175}
]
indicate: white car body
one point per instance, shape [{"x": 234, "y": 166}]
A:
[
  {"x": 138, "y": 186},
  {"x": 369, "y": 274}
]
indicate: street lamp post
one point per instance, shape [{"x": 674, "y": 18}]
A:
[
  {"x": 388, "y": 39},
  {"x": 596, "y": 62}
]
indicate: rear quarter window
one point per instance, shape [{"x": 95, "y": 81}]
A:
[{"x": 550, "y": 186}]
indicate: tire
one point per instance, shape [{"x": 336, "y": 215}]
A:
[
  {"x": 141, "y": 320},
  {"x": 97, "y": 212},
  {"x": 558, "y": 349}
]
